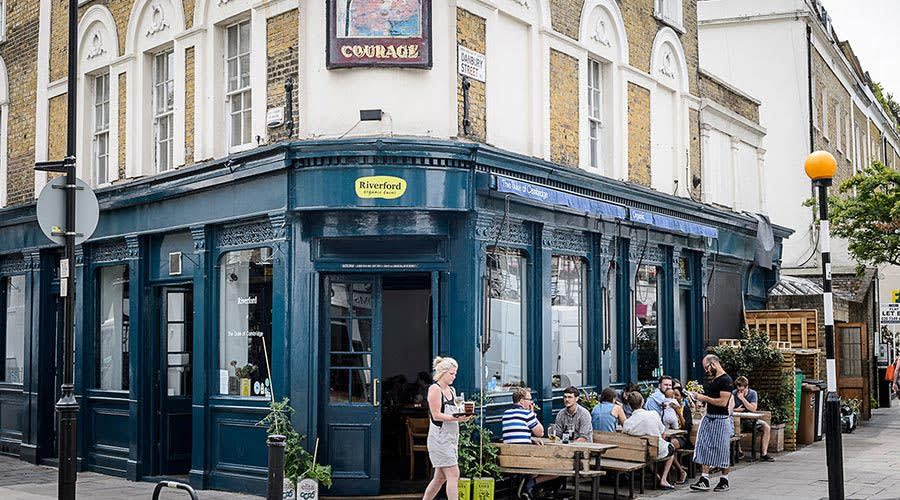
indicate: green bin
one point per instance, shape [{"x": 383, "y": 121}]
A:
[{"x": 798, "y": 382}]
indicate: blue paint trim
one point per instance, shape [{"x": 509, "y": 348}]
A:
[
  {"x": 556, "y": 197},
  {"x": 672, "y": 223}
]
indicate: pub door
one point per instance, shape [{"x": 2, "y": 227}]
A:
[
  {"x": 351, "y": 427},
  {"x": 851, "y": 356}
]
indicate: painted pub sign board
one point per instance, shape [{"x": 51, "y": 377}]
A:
[{"x": 379, "y": 33}]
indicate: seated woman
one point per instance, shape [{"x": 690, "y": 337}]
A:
[
  {"x": 647, "y": 423},
  {"x": 607, "y": 413}
]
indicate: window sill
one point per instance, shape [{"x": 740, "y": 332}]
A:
[
  {"x": 678, "y": 27},
  {"x": 241, "y": 148}
]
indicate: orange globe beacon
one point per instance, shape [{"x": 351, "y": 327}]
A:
[{"x": 820, "y": 165}]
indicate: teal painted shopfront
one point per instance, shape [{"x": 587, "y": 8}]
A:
[{"x": 332, "y": 272}]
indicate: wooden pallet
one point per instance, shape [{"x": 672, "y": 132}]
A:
[{"x": 798, "y": 327}]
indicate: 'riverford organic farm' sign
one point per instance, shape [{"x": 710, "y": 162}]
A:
[
  {"x": 379, "y": 33},
  {"x": 380, "y": 186}
]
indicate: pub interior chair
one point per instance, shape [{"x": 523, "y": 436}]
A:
[{"x": 416, "y": 441}]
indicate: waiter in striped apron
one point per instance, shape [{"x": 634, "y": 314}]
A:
[{"x": 716, "y": 429}]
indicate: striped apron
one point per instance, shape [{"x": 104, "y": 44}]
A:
[{"x": 714, "y": 441}]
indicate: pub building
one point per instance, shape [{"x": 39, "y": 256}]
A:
[{"x": 331, "y": 271}]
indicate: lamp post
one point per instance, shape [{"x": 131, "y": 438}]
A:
[{"x": 820, "y": 167}]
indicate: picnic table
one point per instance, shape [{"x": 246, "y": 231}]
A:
[
  {"x": 555, "y": 458},
  {"x": 749, "y": 415}
]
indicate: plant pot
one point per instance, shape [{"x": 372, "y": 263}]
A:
[
  {"x": 776, "y": 439},
  {"x": 307, "y": 489},
  {"x": 483, "y": 488},
  {"x": 234, "y": 385},
  {"x": 288, "y": 490},
  {"x": 245, "y": 387},
  {"x": 465, "y": 488}
]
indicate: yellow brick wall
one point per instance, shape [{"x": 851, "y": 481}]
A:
[
  {"x": 563, "y": 109},
  {"x": 189, "y": 103},
  {"x": 59, "y": 21},
  {"x": 712, "y": 89},
  {"x": 188, "y": 13},
  {"x": 837, "y": 110},
  {"x": 281, "y": 62},
  {"x": 694, "y": 117},
  {"x": 638, "y": 134},
  {"x": 876, "y": 143},
  {"x": 19, "y": 52},
  {"x": 57, "y": 126},
  {"x": 123, "y": 113},
  {"x": 470, "y": 33},
  {"x": 565, "y": 16},
  {"x": 642, "y": 26}
]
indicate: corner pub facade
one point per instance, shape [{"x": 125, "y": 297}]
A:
[{"x": 259, "y": 239}]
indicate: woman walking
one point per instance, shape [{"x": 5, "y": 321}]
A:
[{"x": 443, "y": 432}]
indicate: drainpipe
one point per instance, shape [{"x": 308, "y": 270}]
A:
[{"x": 809, "y": 85}]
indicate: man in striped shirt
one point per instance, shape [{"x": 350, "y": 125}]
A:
[{"x": 519, "y": 422}]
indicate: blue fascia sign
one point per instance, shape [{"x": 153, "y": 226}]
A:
[
  {"x": 672, "y": 223},
  {"x": 553, "y": 197}
]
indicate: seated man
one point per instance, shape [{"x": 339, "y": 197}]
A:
[
  {"x": 656, "y": 401},
  {"x": 520, "y": 426},
  {"x": 647, "y": 423},
  {"x": 574, "y": 418},
  {"x": 746, "y": 399}
]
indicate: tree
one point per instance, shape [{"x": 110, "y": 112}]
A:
[{"x": 866, "y": 211}]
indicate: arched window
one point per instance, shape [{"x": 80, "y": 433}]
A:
[
  {"x": 97, "y": 139},
  {"x": 156, "y": 87},
  {"x": 668, "y": 115},
  {"x": 603, "y": 107}
]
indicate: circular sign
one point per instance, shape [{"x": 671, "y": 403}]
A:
[{"x": 51, "y": 211}]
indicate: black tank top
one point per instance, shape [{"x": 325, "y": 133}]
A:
[{"x": 444, "y": 403}]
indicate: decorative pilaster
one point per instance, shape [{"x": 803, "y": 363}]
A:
[{"x": 706, "y": 168}]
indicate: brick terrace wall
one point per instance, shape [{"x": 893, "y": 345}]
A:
[
  {"x": 638, "y": 134},
  {"x": 694, "y": 117},
  {"x": 123, "y": 130},
  {"x": 19, "y": 52},
  {"x": 642, "y": 28},
  {"x": 714, "y": 90},
  {"x": 56, "y": 145},
  {"x": 837, "y": 112},
  {"x": 188, "y": 13},
  {"x": 189, "y": 103},
  {"x": 282, "y": 44},
  {"x": 565, "y": 16},
  {"x": 563, "y": 109},
  {"x": 470, "y": 33}
]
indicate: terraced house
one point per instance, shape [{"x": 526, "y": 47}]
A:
[{"x": 312, "y": 199}]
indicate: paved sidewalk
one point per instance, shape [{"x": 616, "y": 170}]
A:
[
  {"x": 871, "y": 468},
  {"x": 23, "y": 481}
]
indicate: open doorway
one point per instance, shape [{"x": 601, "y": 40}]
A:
[{"x": 407, "y": 304}]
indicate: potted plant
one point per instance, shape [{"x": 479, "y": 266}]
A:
[
  {"x": 243, "y": 374},
  {"x": 478, "y": 464},
  {"x": 299, "y": 464}
]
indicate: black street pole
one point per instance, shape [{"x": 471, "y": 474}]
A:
[
  {"x": 67, "y": 406},
  {"x": 833, "y": 447}
]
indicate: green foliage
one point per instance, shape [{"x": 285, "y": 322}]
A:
[
  {"x": 472, "y": 461},
  {"x": 853, "y": 403},
  {"x": 298, "y": 462},
  {"x": 890, "y": 106},
  {"x": 756, "y": 355},
  {"x": 589, "y": 399},
  {"x": 866, "y": 211}
]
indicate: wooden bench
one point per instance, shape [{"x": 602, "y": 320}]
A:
[
  {"x": 579, "y": 463},
  {"x": 631, "y": 454}
]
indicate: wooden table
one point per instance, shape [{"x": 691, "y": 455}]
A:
[
  {"x": 749, "y": 415},
  {"x": 670, "y": 433},
  {"x": 594, "y": 451}
]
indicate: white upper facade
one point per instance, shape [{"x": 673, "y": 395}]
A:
[
  {"x": 762, "y": 47},
  {"x": 146, "y": 73}
]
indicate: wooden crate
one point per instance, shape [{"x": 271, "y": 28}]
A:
[{"x": 798, "y": 327}]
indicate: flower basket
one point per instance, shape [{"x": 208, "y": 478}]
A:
[{"x": 465, "y": 488}]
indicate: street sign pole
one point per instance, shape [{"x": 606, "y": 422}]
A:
[{"x": 67, "y": 406}]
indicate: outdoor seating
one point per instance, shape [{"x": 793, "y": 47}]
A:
[
  {"x": 580, "y": 461},
  {"x": 631, "y": 454}
]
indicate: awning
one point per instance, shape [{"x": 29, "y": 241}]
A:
[
  {"x": 672, "y": 223},
  {"x": 554, "y": 197}
]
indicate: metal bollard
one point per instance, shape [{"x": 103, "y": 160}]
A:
[
  {"x": 275, "y": 442},
  {"x": 174, "y": 484}
]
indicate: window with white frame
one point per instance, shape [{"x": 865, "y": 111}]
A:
[
  {"x": 595, "y": 111},
  {"x": 163, "y": 104},
  {"x": 100, "y": 142},
  {"x": 824, "y": 95},
  {"x": 237, "y": 90},
  {"x": 815, "y": 110},
  {"x": 670, "y": 11}
]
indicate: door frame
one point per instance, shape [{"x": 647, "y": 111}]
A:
[
  {"x": 862, "y": 381},
  {"x": 155, "y": 361}
]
